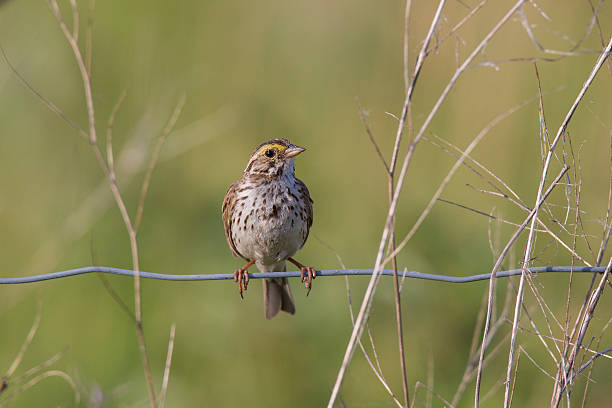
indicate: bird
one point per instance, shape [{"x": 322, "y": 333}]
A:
[{"x": 267, "y": 215}]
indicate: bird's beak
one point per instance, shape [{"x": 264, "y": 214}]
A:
[{"x": 293, "y": 151}]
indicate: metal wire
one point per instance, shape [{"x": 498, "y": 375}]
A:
[{"x": 257, "y": 275}]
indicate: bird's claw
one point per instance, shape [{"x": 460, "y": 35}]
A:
[
  {"x": 308, "y": 273},
  {"x": 242, "y": 277}
]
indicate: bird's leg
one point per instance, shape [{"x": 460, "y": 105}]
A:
[
  {"x": 308, "y": 273},
  {"x": 242, "y": 277}
]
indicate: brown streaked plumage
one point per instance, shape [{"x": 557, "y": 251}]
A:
[{"x": 267, "y": 216}]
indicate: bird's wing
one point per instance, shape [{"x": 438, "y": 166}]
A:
[
  {"x": 229, "y": 205},
  {"x": 305, "y": 196}
]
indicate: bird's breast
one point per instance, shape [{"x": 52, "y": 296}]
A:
[{"x": 269, "y": 224}]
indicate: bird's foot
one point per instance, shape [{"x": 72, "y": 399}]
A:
[
  {"x": 241, "y": 276},
  {"x": 307, "y": 274}
]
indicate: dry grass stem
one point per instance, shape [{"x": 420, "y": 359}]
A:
[
  {"x": 17, "y": 383},
  {"x": 494, "y": 271},
  {"x": 430, "y": 391},
  {"x": 434, "y": 110},
  {"x": 377, "y": 369},
  {"x": 460, "y": 24},
  {"x": 155, "y": 157},
  {"x": 540, "y": 336},
  {"x": 430, "y": 380},
  {"x": 474, "y": 355},
  {"x": 110, "y": 158},
  {"x": 116, "y": 297},
  {"x": 499, "y": 193},
  {"x": 75, "y": 20},
  {"x": 367, "y": 301},
  {"x": 39, "y": 367},
  {"x": 47, "y": 374},
  {"x": 26, "y": 344},
  {"x": 82, "y": 68},
  {"x": 407, "y": 9},
  {"x": 366, "y": 125},
  {"x": 101, "y": 199},
  {"x": 530, "y": 239},
  {"x": 50, "y": 105},
  {"x": 585, "y": 349},
  {"x": 565, "y": 375},
  {"x": 89, "y": 36},
  {"x": 166, "y": 377},
  {"x": 607, "y": 224},
  {"x": 114, "y": 189},
  {"x": 575, "y": 44},
  {"x": 461, "y": 160}
]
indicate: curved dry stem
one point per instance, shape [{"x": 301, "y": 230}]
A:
[
  {"x": 114, "y": 188},
  {"x": 48, "y": 374},
  {"x": 26, "y": 343},
  {"x": 530, "y": 239},
  {"x": 362, "y": 317}
]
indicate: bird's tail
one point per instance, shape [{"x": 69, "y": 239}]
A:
[{"x": 277, "y": 296}]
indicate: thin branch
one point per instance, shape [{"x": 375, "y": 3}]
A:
[
  {"x": 154, "y": 158},
  {"x": 366, "y": 125},
  {"x": 52, "y": 107},
  {"x": 590, "y": 361},
  {"x": 116, "y": 194},
  {"x": 84, "y": 74}
]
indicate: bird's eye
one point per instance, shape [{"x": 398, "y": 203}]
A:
[{"x": 269, "y": 153}]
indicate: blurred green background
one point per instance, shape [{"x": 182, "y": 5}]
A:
[{"x": 251, "y": 71}]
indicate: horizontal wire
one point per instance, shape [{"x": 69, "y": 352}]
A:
[{"x": 257, "y": 275}]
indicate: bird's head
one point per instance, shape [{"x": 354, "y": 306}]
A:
[{"x": 273, "y": 158}]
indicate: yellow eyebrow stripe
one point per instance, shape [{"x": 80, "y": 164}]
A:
[{"x": 271, "y": 146}]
